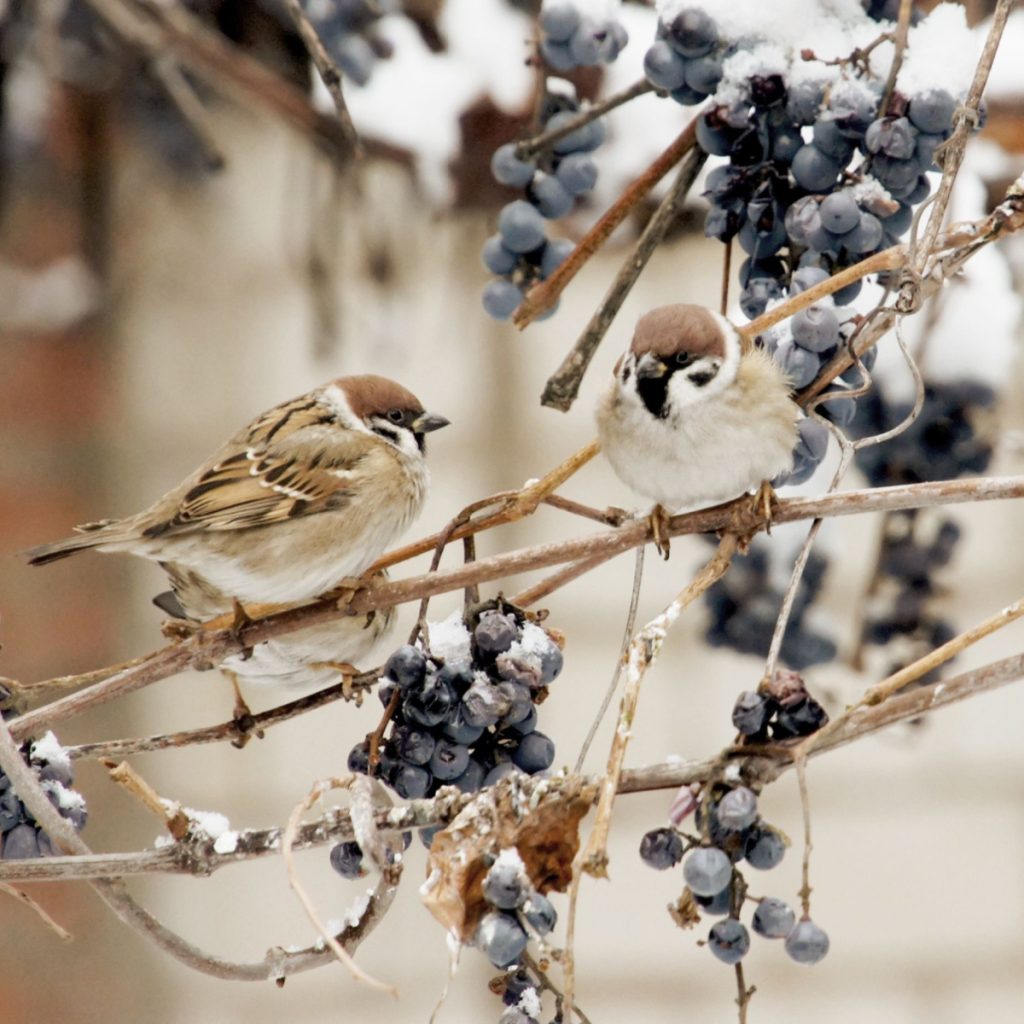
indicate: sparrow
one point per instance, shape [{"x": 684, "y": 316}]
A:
[
  {"x": 694, "y": 416},
  {"x": 308, "y": 494}
]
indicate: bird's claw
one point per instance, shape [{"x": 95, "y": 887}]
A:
[{"x": 659, "y": 520}]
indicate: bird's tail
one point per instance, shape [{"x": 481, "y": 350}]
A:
[{"x": 90, "y": 535}]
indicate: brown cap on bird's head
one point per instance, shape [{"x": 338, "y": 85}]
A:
[
  {"x": 679, "y": 328},
  {"x": 370, "y": 395}
]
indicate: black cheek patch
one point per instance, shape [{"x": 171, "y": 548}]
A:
[{"x": 701, "y": 377}]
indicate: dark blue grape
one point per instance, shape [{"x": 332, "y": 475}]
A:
[
  {"x": 715, "y": 905},
  {"x": 932, "y": 111},
  {"x": 714, "y": 136},
  {"x": 21, "y": 843},
  {"x": 816, "y": 328},
  {"x": 729, "y": 940},
  {"x": 497, "y": 258},
  {"x": 661, "y": 848},
  {"x": 737, "y": 810},
  {"x": 505, "y": 885},
  {"x": 801, "y": 219},
  {"x": 501, "y": 938},
  {"x": 407, "y": 666},
  {"x": 703, "y": 74},
  {"x": 765, "y": 848},
  {"x": 414, "y": 745},
  {"x": 430, "y": 705},
  {"x": 499, "y": 772},
  {"x": 812, "y": 439},
  {"x": 558, "y": 21},
  {"x": 813, "y": 170},
  {"x": 495, "y": 633},
  {"x": 839, "y": 212},
  {"x": 866, "y": 236},
  {"x": 803, "y": 104},
  {"x": 508, "y": 169},
  {"x": 481, "y": 704},
  {"x": 449, "y": 760},
  {"x": 807, "y": 943},
  {"x": 892, "y": 136},
  {"x": 557, "y": 55},
  {"x": 839, "y": 409},
  {"x": 553, "y": 199},
  {"x": 521, "y": 226},
  {"x": 347, "y": 859},
  {"x": 535, "y": 753},
  {"x": 773, "y": 918},
  {"x": 693, "y": 32},
  {"x": 798, "y": 364},
  {"x": 540, "y": 913},
  {"x": 458, "y": 730},
  {"x": 501, "y": 298},
  {"x": 751, "y": 712},
  {"x": 472, "y": 779},
  {"x": 664, "y": 68},
  {"x": 707, "y": 870},
  {"x": 410, "y": 781},
  {"x": 555, "y": 253},
  {"x": 829, "y": 138},
  {"x": 924, "y": 151},
  {"x": 577, "y": 173},
  {"x": 754, "y": 298},
  {"x": 518, "y": 702}
]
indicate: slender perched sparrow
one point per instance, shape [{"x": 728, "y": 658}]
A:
[
  {"x": 691, "y": 417},
  {"x": 309, "y": 493}
]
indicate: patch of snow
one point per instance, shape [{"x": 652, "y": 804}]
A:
[{"x": 449, "y": 639}]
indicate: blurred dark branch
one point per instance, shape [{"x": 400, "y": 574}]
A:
[{"x": 162, "y": 31}]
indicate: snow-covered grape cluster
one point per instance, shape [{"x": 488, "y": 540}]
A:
[
  {"x": 732, "y": 831},
  {"x": 521, "y": 253},
  {"x": 744, "y": 606},
  {"x": 21, "y": 838},
  {"x": 575, "y": 35},
  {"x": 349, "y": 31},
  {"x": 470, "y": 720},
  {"x": 819, "y": 176},
  {"x": 516, "y": 906}
]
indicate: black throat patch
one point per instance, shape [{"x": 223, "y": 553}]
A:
[{"x": 653, "y": 393}]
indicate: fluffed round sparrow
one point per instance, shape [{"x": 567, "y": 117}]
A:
[
  {"x": 691, "y": 416},
  {"x": 308, "y": 494}
]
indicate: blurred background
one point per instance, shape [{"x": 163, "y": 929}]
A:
[{"x": 161, "y": 283}]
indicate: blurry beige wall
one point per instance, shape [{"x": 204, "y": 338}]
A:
[{"x": 916, "y": 866}]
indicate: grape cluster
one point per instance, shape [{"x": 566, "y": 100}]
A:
[
  {"x": 521, "y": 253},
  {"x": 468, "y": 722},
  {"x": 21, "y": 838},
  {"x": 732, "y": 831},
  {"x": 818, "y": 177},
  {"x": 571, "y": 37},
  {"x": 943, "y": 443},
  {"x": 348, "y": 30},
  {"x": 745, "y": 604},
  {"x": 782, "y": 710},
  {"x": 913, "y": 547},
  {"x": 515, "y": 906}
]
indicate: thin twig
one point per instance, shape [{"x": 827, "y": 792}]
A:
[
  {"x": 329, "y": 72},
  {"x": 965, "y": 119},
  {"x": 643, "y": 652},
  {"x": 542, "y": 296},
  {"x": 800, "y": 764},
  {"x": 563, "y": 385},
  {"x": 899, "y": 48},
  {"x": 23, "y": 897},
  {"x": 620, "y": 662},
  {"x": 531, "y": 147},
  {"x": 287, "y": 840}
]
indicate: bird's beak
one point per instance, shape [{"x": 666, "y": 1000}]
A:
[
  {"x": 428, "y": 421},
  {"x": 650, "y": 366}
]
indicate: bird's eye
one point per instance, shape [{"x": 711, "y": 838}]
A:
[
  {"x": 396, "y": 415},
  {"x": 683, "y": 358}
]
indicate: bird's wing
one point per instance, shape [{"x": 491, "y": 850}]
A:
[{"x": 292, "y": 462}]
